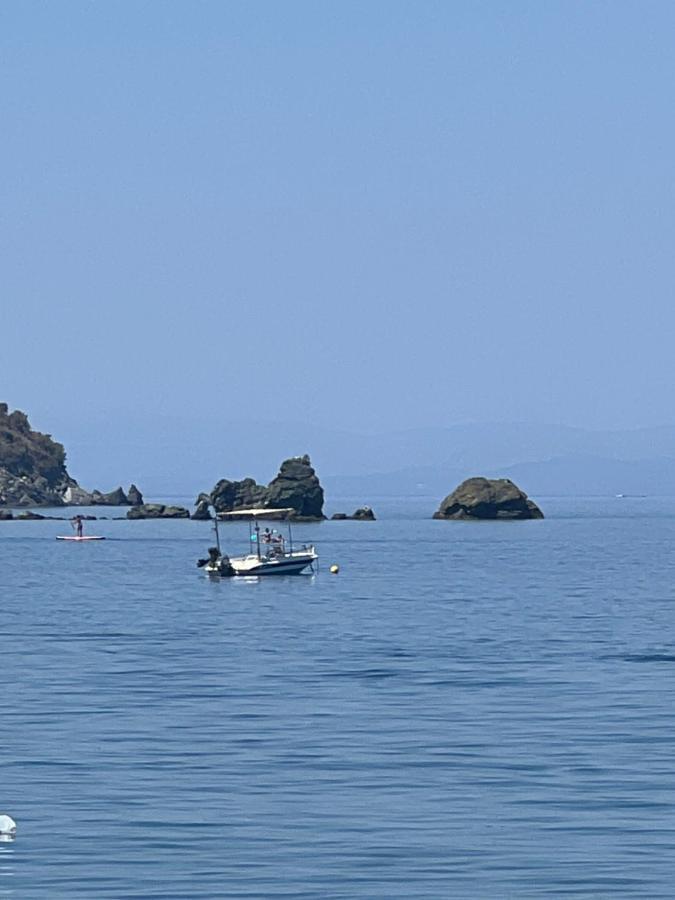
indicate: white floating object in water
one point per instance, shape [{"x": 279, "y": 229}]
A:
[{"x": 7, "y": 825}]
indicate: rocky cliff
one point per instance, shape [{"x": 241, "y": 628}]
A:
[
  {"x": 32, "y": 465},
  {"x": 33, "y": 470}
]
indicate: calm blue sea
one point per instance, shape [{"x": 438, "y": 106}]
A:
[{"x": 466, "y": 710}]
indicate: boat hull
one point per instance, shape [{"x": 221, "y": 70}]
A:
[
  {"x": 273, "y": 567},
  {"x": 289, "y": 564}
]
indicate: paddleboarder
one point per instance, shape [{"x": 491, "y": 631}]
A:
[{"x": 77, "y": 524}]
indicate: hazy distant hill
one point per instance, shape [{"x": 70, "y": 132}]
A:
[
  {"x": 180, "y": 454},
  {"x": 587, "y": 475},
  {"x": 569, "y": 475}
]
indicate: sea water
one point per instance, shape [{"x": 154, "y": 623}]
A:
[{"x": 465, "y": 710}]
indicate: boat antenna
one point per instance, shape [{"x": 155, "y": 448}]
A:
[{"x": 215, "y": 528}]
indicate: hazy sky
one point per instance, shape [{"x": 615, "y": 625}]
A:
[{"x": 364, "y": 215}]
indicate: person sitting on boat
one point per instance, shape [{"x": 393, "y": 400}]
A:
[
  {"x": 76, "y": 522},
  {"x": 267, "y": 536},
  {"x": 277, "y": 548},
  {"x": 224, "y": 565}
]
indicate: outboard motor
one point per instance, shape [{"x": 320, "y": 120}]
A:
[
  {"x": 212, "y": 558},
  {"x": 218, "y": 563}
]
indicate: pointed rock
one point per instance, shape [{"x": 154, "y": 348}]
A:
[
  {"x": 203, "y": 511},
  {"x": 297, "y": 486},
  {"x": 134, "y": 496}
]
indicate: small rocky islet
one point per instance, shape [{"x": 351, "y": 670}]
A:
[
  {"x": 362, "y": 514},
  {"x": 488, "y": 498},
  {"x": 33, "y": 474},
  {"x": 295, "y": 487}
]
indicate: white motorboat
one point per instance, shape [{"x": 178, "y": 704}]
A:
[{"x": 274, "y": 555}]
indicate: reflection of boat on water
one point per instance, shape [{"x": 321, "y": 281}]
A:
[{"x": 274, "y": 555}]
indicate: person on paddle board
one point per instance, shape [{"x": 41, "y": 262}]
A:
[{"x": 76, "y": 522}]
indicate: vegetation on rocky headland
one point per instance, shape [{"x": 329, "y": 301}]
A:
[
  {"x": 32, "y": 465},
  {"x": 33, "y": 470}
]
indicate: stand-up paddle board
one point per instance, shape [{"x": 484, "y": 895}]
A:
[{"x": 85, "y": 537}]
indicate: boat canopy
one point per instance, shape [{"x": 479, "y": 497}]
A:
[{"x": 256, "y": 513}]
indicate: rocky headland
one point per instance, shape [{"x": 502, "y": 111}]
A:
[
  {"x": 80, "y": 497},
  {"x": 33, "y": 470},
  {"x": 488, "y": 498},
  {"x": 32, "y": 465}
]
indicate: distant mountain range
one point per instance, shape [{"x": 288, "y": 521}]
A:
[
  {"x": 183, "y": 455},
  {"x": 563, "y": 476},
  {"x": 543, "y": 460}
]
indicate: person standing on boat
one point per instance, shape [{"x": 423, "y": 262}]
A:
[{"x": 76, "y": 522}]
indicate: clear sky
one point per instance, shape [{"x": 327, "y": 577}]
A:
[{"x": 365, "y": 215}]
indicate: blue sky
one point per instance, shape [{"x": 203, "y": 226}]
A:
[{"x": 364, "y": 215}]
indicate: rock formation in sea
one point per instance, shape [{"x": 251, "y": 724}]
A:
[
  {"x": 362, "y": 514},
  {"x": 202, "y": 512},
  {"x": 228, "y": 495},
  {"x": 157, "y": 511},
  {"x": 295, "y": 487},
  {"x": 134, "y": 496},
  {"x": 488, "y": 498},
  {"x": 74, "y": 495},
  {"x": 32, "y": 465},
  {"x": 77, "y": 496},
  {"x": 113, "y": 498}
]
